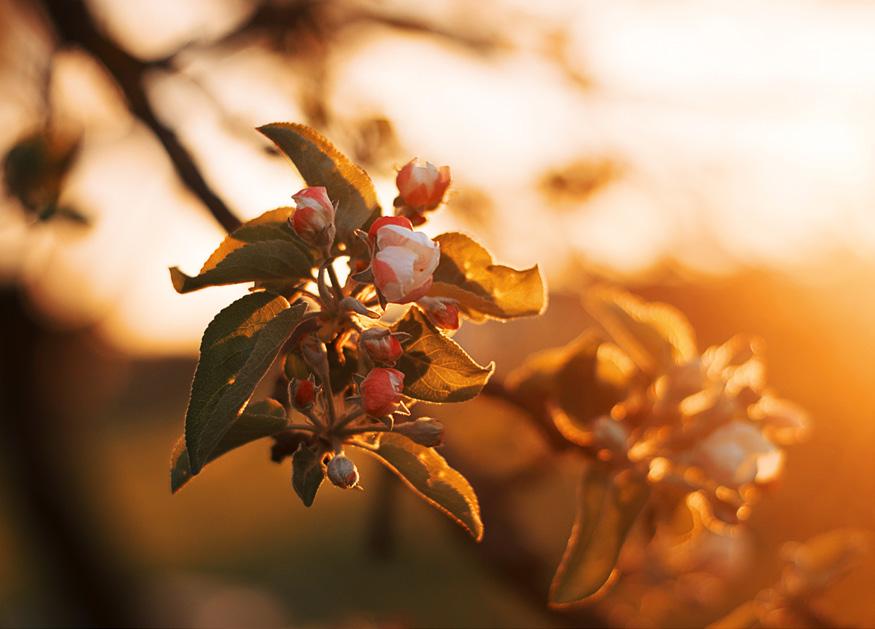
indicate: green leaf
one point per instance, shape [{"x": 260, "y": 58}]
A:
[
  {"x": 238, "y": 347},
  {"x": 307, "y": 472},
  {"x": 435, "y": 367},
  {"x": 261, "y": 419},
  {"x": 608, "y": 505},
  {"x": 656, "y": 336},
  {"x": 322, "y": 164},
  {"x": 484, "y": 289},
  {"x": 264, "y": 249},
  {"x": 427, "y": 473}
]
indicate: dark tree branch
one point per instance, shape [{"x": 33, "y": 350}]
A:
[{"x": 74, "y": 25}]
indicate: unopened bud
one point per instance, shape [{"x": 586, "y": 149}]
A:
[
  {"x": 610, "y": 434},
  {"x": 424, "y": 431},
  {"x": 302, "y": 394},
  {"x": 442, "y": 311},
  {"x": 313, "y": 219},
  {"x": 381, "y": 345},
  {"x": 381, "y": 391},
  {"x": 343, "y": 472},
  {"x": 422, "y": 185}
]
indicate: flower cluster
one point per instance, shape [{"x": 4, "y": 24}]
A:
[
  {"x": 353, "y": 368},
  {"x": 677, "y": 434}
]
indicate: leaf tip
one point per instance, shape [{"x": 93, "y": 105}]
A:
[{"x": 179, "y": 279}]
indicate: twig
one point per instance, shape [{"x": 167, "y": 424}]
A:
[{"x": 74, "y": 25}]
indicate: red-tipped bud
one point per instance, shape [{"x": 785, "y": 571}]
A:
[
  {"x": 302, "y": 394},
  {"x": 424, "y": 431},
  {"x": 404, "y": 260},
  {"x": 313, "y": 219},
  {"x": 381, "y": 346},
  {"x": 343, "y": 472},
  {"x": 381, "y": 391},
  {"x": 442, "y": 311},
  {"x": 381, "y": 222},
  {"x": 421, "y": 185}
]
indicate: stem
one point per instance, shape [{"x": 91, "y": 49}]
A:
[
  {"x": 335, "y": 283},
  {"x": 329, "y": 401},
  {"x": 359, "y": 430},
  {"x": 351, "y": 416}
]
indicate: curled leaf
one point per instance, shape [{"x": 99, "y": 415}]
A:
[
  {"x": 435, "y": 367},
  {"x": 483, "y": 289},
  {"x": 264, "y": 249},
  {"x": 608, "y": 505},
  {"x": 322, "y": 164},
  {"x": 656, "y": 336},
  {"x": 428, "y": 475}
]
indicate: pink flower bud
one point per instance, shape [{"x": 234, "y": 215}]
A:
[
  {"x": 381, "y": 346},
  {"x": 343, "y": 472},
  {"x": 404, "y": 260},
  {"x": 424, "y": 431},
  {"x": 422, "y": 185},
  {"x": 313, "y": 219},
  {"x": 442, "y": 311},
  {"x": 302, "y": 393},
  {"x": 381, "y": 391},
  {"x": 381, "y": 222}
]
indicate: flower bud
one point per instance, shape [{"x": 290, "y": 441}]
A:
[
  {"x": 381, "y": 391},
  {"x": 424, "y": 431},
  {"x": 381, "y": 345},
  {"x": 404, "y": 260},
  {"x": 441, "y": 311},
  {"x": 610, "y": 434},
  {"x": 313, "y": 219},
  {"x": 343, "y": 472},
  {"x": 421, "y": 185},
  {"x": 302, "y": 394}
]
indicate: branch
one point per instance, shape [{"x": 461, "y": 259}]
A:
[{"x": 74, "y": 25}]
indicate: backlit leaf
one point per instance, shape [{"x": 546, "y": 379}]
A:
[
  {"x": 264, "y": 249},
  {"x": 307, "y": 472},
  {"x": 238, "y": 347},
  {"x": 261, "y": 419},
  {"x": 322, "y": 164},
  {"x": 656, "y": 336},
  {"x": 484, "y": 289},
  {"x": 608, "y": 505},
  {"x": 435, "y": 367},
  {"x": 593, "y": 378},
  {"x": 427, "y": 473}
]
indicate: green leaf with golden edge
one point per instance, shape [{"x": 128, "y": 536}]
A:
[
  {"x": 656, "y": 336},
  {"x": 593, "y": 378},
  {"x": 427, "y": 473},
  {"x": 322, "y": 164},
  {"x": 484, "y": 289},
  {"x": 238, "y": 347},
  {"x": 261, "y": 419},
  {"x": 608, "y": 505},
  {"x": 307, "y": 472},
  {"x": 436, "y": 369},
  {"x": 264, "y": 249}
]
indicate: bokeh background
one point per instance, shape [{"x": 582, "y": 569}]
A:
[{"x": 716, "y": 156}]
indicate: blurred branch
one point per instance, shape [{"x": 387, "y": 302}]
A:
[{"x": 74, "y": 25}]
